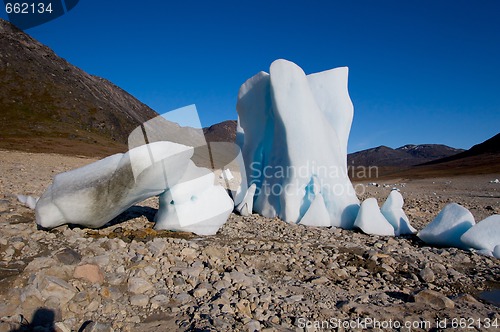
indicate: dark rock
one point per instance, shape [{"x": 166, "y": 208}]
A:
[{"x": 68, "y": 257}]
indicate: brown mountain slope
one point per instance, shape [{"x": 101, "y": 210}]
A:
[
  {"x": 488, "y": 147},
  {"x": 49, "y": 105}
]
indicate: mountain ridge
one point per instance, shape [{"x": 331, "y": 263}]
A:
[{"x": 489, "y": 146}]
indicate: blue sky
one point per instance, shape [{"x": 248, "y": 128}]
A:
[{"x": 420, "y": 71}]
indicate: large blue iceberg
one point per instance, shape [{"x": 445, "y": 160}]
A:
[{"x": 293, "y": 130}]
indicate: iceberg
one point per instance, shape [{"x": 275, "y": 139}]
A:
[
  {"x": 371, "y": 221},
  {"x": 485, "y": 235},
  {"x": 293, "y": 131},
  {"x": 393, "y": 212},
  {"x": 448, "y": 227}
]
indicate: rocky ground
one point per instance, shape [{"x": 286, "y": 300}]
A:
[{"x": 256, "y": 274}]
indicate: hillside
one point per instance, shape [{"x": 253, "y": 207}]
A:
[
  {"x": 49, "y": 105},
  {"x": 489, "y": 147}
]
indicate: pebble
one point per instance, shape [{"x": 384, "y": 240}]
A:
[
  {"x": 243, "y": 307},
  {"x": 427, "y": 275},
  {"x": 159, "y": 301},
  {"x": 68, "y": 257},
  {"x": 320, "y": 280},
  {"x": 97, "y": 327},
  {"x": 55, "y": 287},
  {"x": 139, "y": 300},
  {"x": 200, "y": 292},
  {"x": 138, "y": 285},
  {"x": 253, "y": 326},
  {"x": 89, "y": 272},
  {"x": 434, "y": 299}
]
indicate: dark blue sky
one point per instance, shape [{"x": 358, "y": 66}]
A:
[{"x": 423, "y": 71}]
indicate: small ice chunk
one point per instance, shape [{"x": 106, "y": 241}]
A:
[
  {"x": 317, "y": 214},
  {"x": 245, "y": 208},
  {"x": 496, "y": 251},
  {"x": 485, "y": 235},
  {"x": 28, "y": 201},
  {"x": 371, "y": 221},
  {"x": 484, "y": 252},
  {"x": 393, "y": 212},
  {"x": 227, "y": 175},
  {"x": 448, "y": 226},
  {"x": 195, "y": 204}
]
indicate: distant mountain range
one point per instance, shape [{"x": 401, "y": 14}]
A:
[{"x": 407, "y": 155}]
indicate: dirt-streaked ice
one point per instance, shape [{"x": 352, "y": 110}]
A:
[{"x": 96, "y": 193}]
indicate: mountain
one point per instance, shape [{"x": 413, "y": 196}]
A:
[
  {"x": 221, "y": 132},
  {"x": 49, "y": 105},
  {"x": 428, "y": 152},
  {"x": 483, "y": 158},
  {"x": 380, "y": 156},
  {"x": 405, "y": 156}
]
